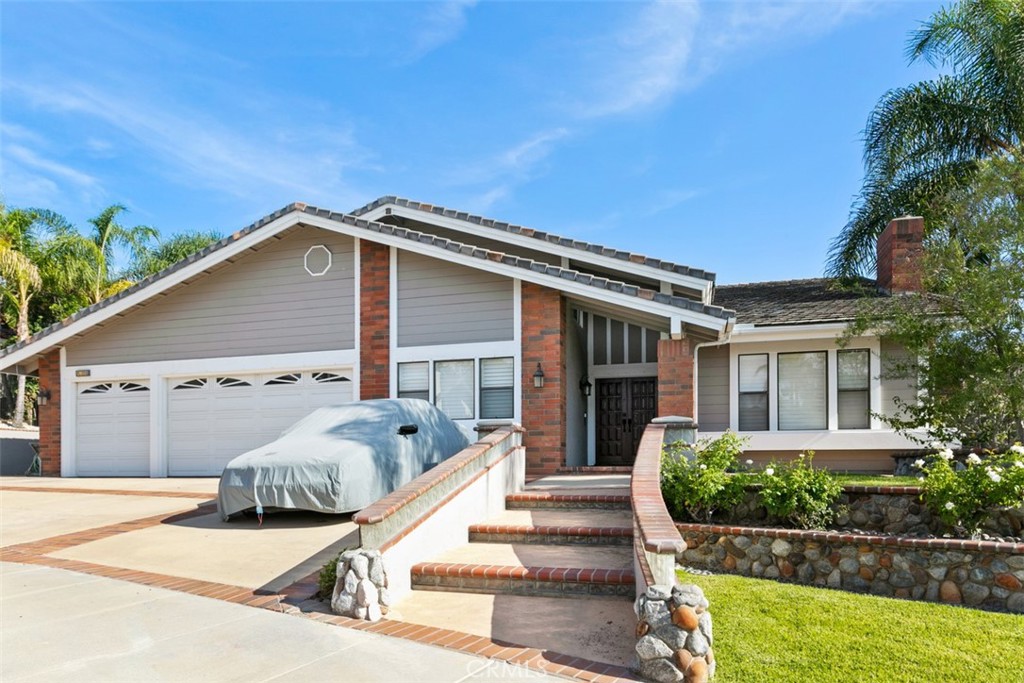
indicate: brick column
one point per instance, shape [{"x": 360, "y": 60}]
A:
[
  {"x": 49, "y": 415},
  {"x": 374, "y": 314},
  {"x": 544, "y": 408},
  {"x": 675, "y": 378}
]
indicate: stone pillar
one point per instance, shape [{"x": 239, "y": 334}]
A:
[
  {"x": 361, "y": 587},
  {"x": 899, "y": 251},
  {"x": 49, "y": 414},
  {"x": 374, "y": 320},
  {"x": 674, "y": 635},
  {"x": 543, "y": 341},
  {"x": 675, "y": 377}
]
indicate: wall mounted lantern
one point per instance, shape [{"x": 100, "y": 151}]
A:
[
  {"x": 538, "y": 377},
  {"x": 585, "y": 386},
  {"x": 44, "y": 397}
]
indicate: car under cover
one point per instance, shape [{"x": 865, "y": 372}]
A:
[{"x": 341, "y": 458}]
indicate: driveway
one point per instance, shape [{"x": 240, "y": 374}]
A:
[{"x": 140, "y": 580}]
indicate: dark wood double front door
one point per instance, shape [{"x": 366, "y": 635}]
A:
[{"x": 624, "y": 408}]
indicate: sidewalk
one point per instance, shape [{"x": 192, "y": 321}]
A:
[{"x": 57, "y": 625}]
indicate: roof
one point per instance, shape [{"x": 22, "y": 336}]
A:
[
  {"x": 547, "y": 237},
  {"x": 793, "y": 302},
  {"x": 556, "y": 273}
]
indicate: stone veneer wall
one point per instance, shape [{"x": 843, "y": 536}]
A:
[
  {"x": 982, "y": 574},
  {"x": 887, "y": 509}
]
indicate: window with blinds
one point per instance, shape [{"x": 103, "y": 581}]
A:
[
  {"x": 497, "y": 377},
  {"x": 753, "y": 404},
  {"x": 454, "y": 388},
  {"x": 803, "y": 390},
  {"x": 414, "y": 380},
  {"x": 854, "y": 402}
]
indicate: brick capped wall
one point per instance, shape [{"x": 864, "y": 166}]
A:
[
  {"x": 899, "y": 251},
  {"x": 544, "y": 337},
  {"x": 675, "y": 377},
  {"x": 374, "y": 312},
  {"x": 49, "y": 415}
]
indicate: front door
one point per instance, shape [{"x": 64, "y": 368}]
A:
[{"x": 624, "y": 408}]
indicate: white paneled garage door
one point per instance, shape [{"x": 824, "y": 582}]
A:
[
  {"x": 212, "y": 419},
  {"x": 112, "y": 435}
]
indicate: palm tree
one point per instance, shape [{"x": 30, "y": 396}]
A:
[
  {"x": 167, "y": 253},
  {"x": 925, "y": 140},
  {"x": 107, "y": 235}
]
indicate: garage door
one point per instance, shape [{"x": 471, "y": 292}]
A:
[
  {"x": 112, "y": 435},
  {"x": 215, "y": 418}
]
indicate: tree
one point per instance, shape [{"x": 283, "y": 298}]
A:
[
  {"x": 107, "y": 235},
  {"x": 926, "y": 140},
  {"x": 166, "y": 253},
  {"x": 965, "y": 335}
]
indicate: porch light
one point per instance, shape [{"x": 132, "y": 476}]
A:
[
  {"x": 44, "y": 396},
  {"x": 538, "y": 377},
  {"x": 585, "y": 386}
]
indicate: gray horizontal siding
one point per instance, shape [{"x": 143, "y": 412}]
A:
[
  {"x": 444, "y": 303},
  {"x": 713, "y": 388},
  {"x": 263, "y": 303},
  {"x": 892, "y": 387}
]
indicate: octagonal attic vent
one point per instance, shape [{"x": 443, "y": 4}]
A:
[{"x": 317, "y": 260}]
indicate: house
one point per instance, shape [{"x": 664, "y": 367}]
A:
[{"x": 580, "y": 343}]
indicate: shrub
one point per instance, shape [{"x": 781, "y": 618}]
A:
[
  {"x": 963, "y": 498},
  {"x": 697, "y": 487},
  {"x": 328, "y": 577},
  {"x": 799, "y": 493}
]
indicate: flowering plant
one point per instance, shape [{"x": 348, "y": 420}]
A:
[
  {"x": 963, "y": 498},
  {"x": 697, "y": 487},
  {"x": 799, "y": 493}
]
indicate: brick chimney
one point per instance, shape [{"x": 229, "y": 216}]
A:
[{"x": 900, "y": 247}]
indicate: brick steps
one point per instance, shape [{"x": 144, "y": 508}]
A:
[
  {"x": 523, "y": 580},
  {"x": 543, "y": 500},
  {"x": 566, "y": 538}
]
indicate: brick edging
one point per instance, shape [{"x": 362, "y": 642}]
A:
[
  {"x": 658, "y": 533},
  {"x": 539, "y": 574},
  {"x": 547, "y": 530},
  {"x": 840, "y": 537}
]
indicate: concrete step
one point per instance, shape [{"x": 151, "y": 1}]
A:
[
  {"x": 556, "y": 526},
  {"x": 527, "y": 569}
]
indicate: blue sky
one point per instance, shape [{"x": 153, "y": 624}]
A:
[{"x": 722, "y": 135}]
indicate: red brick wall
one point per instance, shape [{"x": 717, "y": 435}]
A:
[
  {"x": 49, "y": 415},
  {"x": 899, "y": 251},
  {"x": 675, "y": 378},
  {"x": 544, "y": 337},
  {"x": 374, "y": 313}
]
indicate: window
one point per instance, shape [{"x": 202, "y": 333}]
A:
[
  {"x": 854, "y": 398},
  {"x": 453, "y": 388},
  {"x": 414, "y": 380},
  {"x": 753, "y": 392},
  {"x": 497, "y": 377},
  {"x": 803, "y": 390}
]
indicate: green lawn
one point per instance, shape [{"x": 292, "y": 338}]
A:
[
  {"x": 876, "y": 480},
  {"x": 779, "y": 633}
]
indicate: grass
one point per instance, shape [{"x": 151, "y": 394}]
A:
[
  {"x": 768, "y": 632},
  {"x": 876, "y": 480}
]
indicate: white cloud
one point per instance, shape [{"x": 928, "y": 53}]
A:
[
  {"x": 31, "y": 160},
  {"x": 670, "y": 46},
  {"x": 669, "y": 199},
  {"x": 440, "y": 24},
  {"x": 304, "y": 163}
]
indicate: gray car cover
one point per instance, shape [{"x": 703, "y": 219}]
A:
[{"x": 340, "y": 458}]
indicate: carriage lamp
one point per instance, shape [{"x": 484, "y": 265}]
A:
[
  {"x": 585, "y": 386},
  {"x": 44, "y": 396},
  {"x": 538, "y": 377}
]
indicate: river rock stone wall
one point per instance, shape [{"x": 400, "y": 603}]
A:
[
  {"x": 674, "y": 635},
  {"x": 981, "y": 574},
  {"x": 361, "y": 589},
  {"x": 889, "y": 510}
]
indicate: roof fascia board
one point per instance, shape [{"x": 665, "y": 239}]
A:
[
  {"x": 754, "y": 333},
  {"x": 155, "y": 288},
  {"x": 568, "y": 286},
  {"x": 699, "y": 285}
]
